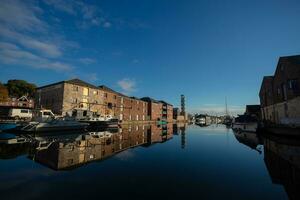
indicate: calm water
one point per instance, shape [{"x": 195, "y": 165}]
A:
[{"x": 142, "y": 162}]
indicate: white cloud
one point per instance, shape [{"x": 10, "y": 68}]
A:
[
  {"x": 25, "y": 38},
  {"x": 93, "y": 77},
  {"x": 135, "y": 61},
  {"x": 12, "y": 54},
  {"x": 46, "y": 48},
  {"x": 67, "y": 6},
  {"x": 107, "y": 24},
  {"x": 218, "y": 109},
  {"x": 127, "y": 85},
  {"x": 87, "y": 61},
  {"x": 90, "y": 15},
  {"x": 20, "y": 16}
]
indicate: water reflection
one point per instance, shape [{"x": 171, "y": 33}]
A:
[
  {"x": 250, "y": 139},
  {"x": 281, "y": 157},
  {"x": 62, "y": 152}
]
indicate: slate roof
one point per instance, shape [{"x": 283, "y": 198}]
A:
[{"x": 72, "y": 81}]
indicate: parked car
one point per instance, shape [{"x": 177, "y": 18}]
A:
[{"x": 20, "y": 113}]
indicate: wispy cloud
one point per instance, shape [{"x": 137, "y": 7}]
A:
[
  {"x": 89, "y": 15},
  {"x": 135, "y": 61},
  {"x": 20, "y": 16},
  {"x": 87, "y": 61},
  {"x": 63, "y": 5},
  {"x": 25, "y": 38},
  {"x": 218, "y": 109},
  {"x": 12, "y": 54},
  {"x": 127, "y": 85},
  {"x": 46, "y": 48}
]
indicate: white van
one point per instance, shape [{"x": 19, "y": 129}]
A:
[{"x": 20, "y": 113}]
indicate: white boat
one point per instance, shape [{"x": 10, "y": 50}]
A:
[
  {"x": 100, "y": 121},
  {"x": 46, "y": 121}
]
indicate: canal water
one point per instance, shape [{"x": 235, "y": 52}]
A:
[{"x": 150, "y": 162}]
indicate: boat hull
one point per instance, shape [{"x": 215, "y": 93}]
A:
[{"x": 245, "y": 127}]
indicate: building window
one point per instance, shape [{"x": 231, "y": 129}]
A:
[
  {"x": 86, "y": 91},
  {"x": 281, "y": 67},
  {"x": 110, "y": 105},
  {"x": 278, "y": 91},
  {"x": 293, "y": 84},
  {"x": 95, "y": 92},
  {"x": 105, "y": 95},
  {"x": 75, "y": 88},
  {"x": 115, "y": 96}
]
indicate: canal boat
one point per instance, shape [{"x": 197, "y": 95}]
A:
[
  {"x": 46, "y": 121},
  {"x": 56, "y": 125},
  {"x": 245, "y": 123},
  {"x": 95, "y": 122}
]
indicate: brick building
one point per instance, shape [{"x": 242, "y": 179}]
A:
[
  {"x": 280, "y": 94},
  {"x": 64, "y": 96},
  {"x": 12, "y": 102},
  {"x": 167, "y": 111},
  {"x": 110, "y": 100},
  {"x": 154, "y": 109},
  {"x": 22, "y": 102},
  {"x": 124, "y": 107}
]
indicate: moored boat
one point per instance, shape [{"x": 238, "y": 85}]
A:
[{"x": 245, "y": 123}]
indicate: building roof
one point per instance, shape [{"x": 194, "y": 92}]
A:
[
  {"x": 290, "y": 59},
  {"x": 252, "y": 108},
  {"x": 105, "y": 88},
  {"x": 294, "y": 59},
  {"x": 72, "y": 81},
  {"x": 265, "y": 79},
  {"x": 164, "y": 102},
  {"x": 148, "y": 99}
]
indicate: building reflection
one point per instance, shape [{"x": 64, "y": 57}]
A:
[
  {"x": 180, "y": 128},
  {"x": 282, "y": 159},
  {"x": 69, "y": 153},
  {"x": 252, "y": 140}
]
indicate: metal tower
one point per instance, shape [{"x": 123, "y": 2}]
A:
[
  {"x": 226, "y": 109},
  {"x": 182, "y": 105}
]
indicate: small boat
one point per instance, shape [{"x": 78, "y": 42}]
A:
[
  {"x": 100, "y": 121},
  {"x": 56, "y": 125},
  {"x": 46, "y": 121},
  {"x": 245, "y": 123}
]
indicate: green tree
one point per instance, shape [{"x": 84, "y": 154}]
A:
[
  {"x": 3, "y": 93},
  {"x": 18, "y": 88}
]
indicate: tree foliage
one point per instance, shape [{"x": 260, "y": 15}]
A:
[
  {"x": 18, "y": 88},
  {"x": 3, "y": 93}
]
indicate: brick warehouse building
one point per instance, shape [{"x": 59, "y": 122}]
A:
[
  {"x": 280, "y": 94},
  {"x": 124, "y": 107},
  {"x": 62, "y": 97}
]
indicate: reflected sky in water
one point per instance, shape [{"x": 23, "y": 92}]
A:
[{"x": 146, "y": 162}]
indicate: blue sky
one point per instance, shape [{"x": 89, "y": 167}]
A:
[{"x": 204, "y": 49}]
